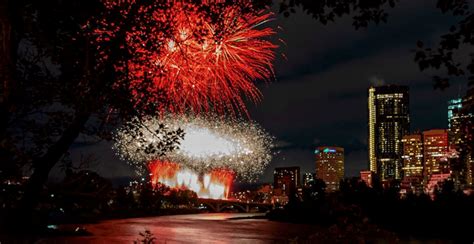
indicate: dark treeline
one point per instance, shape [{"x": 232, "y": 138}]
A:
[
  {"x": 85, "y": 196},
  {"x": 359, "y": 211}
]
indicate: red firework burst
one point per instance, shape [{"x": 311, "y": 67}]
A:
[
  {"x": 200, "y": 56},
  {"x": 215, "y": 184}
]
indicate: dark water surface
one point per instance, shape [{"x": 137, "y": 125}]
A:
[{"x": 195, "y": 228}]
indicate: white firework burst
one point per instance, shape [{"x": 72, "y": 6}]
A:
[{"x": 209, "y": 142}]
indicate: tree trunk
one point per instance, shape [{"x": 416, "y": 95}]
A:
[
  {"x": 5, "y": 53},
  {"x": 42, "y": 166},
  {"x": 8, "y": 47}
]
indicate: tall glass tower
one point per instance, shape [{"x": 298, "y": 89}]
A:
[{"x": 388, "y": 122}]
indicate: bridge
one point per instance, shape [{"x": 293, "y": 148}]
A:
[{"x": 219, "y": 205}]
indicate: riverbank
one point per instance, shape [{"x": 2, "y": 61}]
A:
[
  {"x": 47, "y": 224},
  {"x": 214, "y": 228},
  {"x": 190, "y": 228}
]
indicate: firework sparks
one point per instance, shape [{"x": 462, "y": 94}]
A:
[
  {"x": 202, "y": 56},
  {"x": 209, "y": 143},
  {"x": 215, "y": 185}
]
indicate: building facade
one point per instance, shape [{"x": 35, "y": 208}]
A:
[
  {"x": 388, "y": 122},
  {"x": 435, "y": 151},
  {"x": 308, "y": 178},
  {"x": 457, "y": 118},
  {"x": 412, "y": 155},
  {"x": 367, "y": 176},
  {"x": 286, "y": 180},
  {"x": 454, "y": 111},
  {"x": 330, "y": 166},
  {"x": 467, "y": 128}
]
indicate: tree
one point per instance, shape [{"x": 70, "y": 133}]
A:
[
  {"x": 67, "y": 84},
  {"x": 122, "y": 200},
  {"x": 149, "y": 199},
  {"x": 316, "y": 191}
]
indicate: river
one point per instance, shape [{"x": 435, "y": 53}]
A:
[{"x": 193, "y": 228}]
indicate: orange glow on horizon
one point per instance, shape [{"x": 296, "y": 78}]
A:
[{"x": 213, "y": 185}]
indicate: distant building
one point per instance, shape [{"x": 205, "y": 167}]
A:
[
  {"x": 286, "y": 180},
  {"x": 455, "y": 119},
  {"x": 435, "y": 180},
  {"x": 413, "y": 184},
  {"x": 308, "y": 178},
  {"x": 467, "y": 127},
  {"x": 454, "y": 111},
  {"x": 330, "y": 166},
  {"x": 412, "y": 155},
  {"x": 457, "y": 139},
  {"x": 461, "y": 126},
  {"x": 435, "y": 151},
  {"x": 367, "y": 176},
  {"x": 388, "y": 122}
]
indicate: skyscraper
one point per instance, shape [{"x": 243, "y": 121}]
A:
[
  {"x": 389, "y": 121},
  {"x": 308, "y": 178},
  {"x": 458, "y": 119},
  {"x": 435, "y": 150},
  {"x": 467, "y": 127},
  {"x": 412, "y": 155},
  {"x": 412, "y": 163},
  {"x": 330, "y": 166},
  {"x": 455, "y": 118},
  {"x": 286, "y": 179}
]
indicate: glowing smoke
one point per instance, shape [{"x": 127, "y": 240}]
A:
[{"x": 210, "y": 145}]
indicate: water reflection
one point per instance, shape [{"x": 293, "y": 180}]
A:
[{"x": 196, "y": 228}]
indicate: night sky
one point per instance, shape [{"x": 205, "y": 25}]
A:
[{"x": 319, "y": 96}]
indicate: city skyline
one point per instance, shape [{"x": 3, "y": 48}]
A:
[
  {"x": 305, "y": 168},
  {"x": 236, "y": 121},
  {"x": 324, "y": 87}
]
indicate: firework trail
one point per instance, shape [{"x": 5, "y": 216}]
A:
[{"x": 199, "y": 56}]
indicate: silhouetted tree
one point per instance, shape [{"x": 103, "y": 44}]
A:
[
  {"x": 316, "y": 191},
  {"x": 122, "y": 199},
  {"x": 451, "y": 53}
]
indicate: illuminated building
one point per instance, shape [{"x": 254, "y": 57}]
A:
[
  {"x": 454, "y": 119},
  {"x": 367, "y": 176},
  {"x": 457, "y": 118},
  {"x": 412, "y": 164},
  {"x": 330, "y": 166},
  {"x": 286, "y": 180},
  {"x": 434, "y": 181},
  {"x": 435, "y": 150},
  {"x": 308, "y": 178},
  {"x": 388, "y": 122},
  {"x": 412, "y": 184},
  {"x": 412, "y": 155},
  {"x": 467, "y": 127}
]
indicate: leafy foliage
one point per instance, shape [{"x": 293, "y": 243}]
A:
[
  {"x": 165, "y": 139},
  {"x": 363, "y": 11},
  {"x": 146, "y": 238},
  {"x": 64, "y": 86},
  {"x": 448, "y": 55}
]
